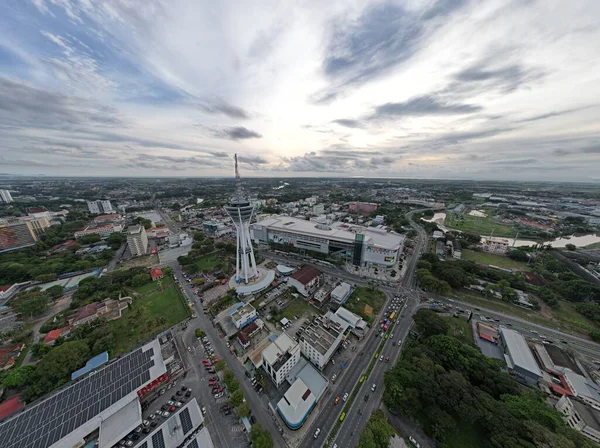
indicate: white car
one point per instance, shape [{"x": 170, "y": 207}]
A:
[
  {"x": 179, "y": 404},
  {"x": 381, "y": 358},
  {"x": 414, "y": 442},
  {"x": 345, "y": 397},
  {"x": 166, "y": 414},
  {"x": 317, "y": 432},
  {"x": 203, "y": 410},
  {"x": 334, "y": 377},
  {"x": 219, "y": 395},
  {"x": 373, "y": 387},
  {"x": 391, "y": 335}
]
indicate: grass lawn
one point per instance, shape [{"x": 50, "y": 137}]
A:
[
  {"x": 209, "y": 262},
  {"x": 564, "y": 318},
  {"x": 459, "y": 328},
  {"x": 496, "y": 260},
  {"x": 298, "y": 307},
  {"x": 479, "y": 226},
  {"x": 364, "y": 296},
  {"x": 141, "y": 321}
]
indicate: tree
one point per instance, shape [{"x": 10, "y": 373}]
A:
[
  {"x": 90, "y": 239},
  {"x": 236, "y": 398},
  {"x": 571, "y": 246},
  {"x": 377, "y": 433},
  {"x": 260, "y": 437},
  {"x": 56, "y": 367},
  {"x": 429, "y": 323},
  {"x": 233, "y": 385},
  {"x": 228, "y": 376},
  {"x": 199, "y": 333},
  {"x": 220, "y": 365},
  {"x": 198, "y": 281},
  {"x": 44, "y": 278},
  {"x": 54, "y": 292},
  {"x": 32, "y": 302},
  {"x": 20, "y": 377},
  {"x": 140, "y": 280},
  {"x": 595, "y": 335},
  {"x": 518, "y": 255},
  {"x": 243, "y": 410}
]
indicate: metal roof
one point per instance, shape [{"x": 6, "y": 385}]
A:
[{"x": 519, "y": 351}]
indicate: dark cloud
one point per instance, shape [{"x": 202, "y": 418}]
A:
[
  {"x": 424, "y": 105},
  {"x": 384, "y": 36},
  {"x": 236, "y": 133},
  {"x": 23, "y": 105},
  {"x": 338, "y": 158},
  {"x": 348, "y": 123},
  {"x": 253, "y": 160},
  {"x": 594, "y": 149},
  {"x": 220, "y": 107},
  {"x": 549, "y": 115}
]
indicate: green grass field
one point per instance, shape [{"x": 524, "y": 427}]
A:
[
  {"x": 493, "y": 259},
  {"x": 298, "y": 307},
  {"x": 565, "y": 318},
  {"x": 209, "y": 262},
  {"x": 479, "y": 226},
  {"x": 459, "y": 328},
  {"x": 142, "y": 320},
  {"x": 364, "y": 296}
]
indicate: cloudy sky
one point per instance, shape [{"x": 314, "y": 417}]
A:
[{"x": 483, "y": 89}]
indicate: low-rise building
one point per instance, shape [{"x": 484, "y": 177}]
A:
[
  {"x": 156, "y": 274},
  {"x": 102, "y": 231},
  {"x": 243, "y": 315},
  {"x": 320, "y": 340},
  {"x": 340, "y": 293},
  {"x": 584, "y": 389},
  {"x": 306, "y": 280},
  {"x": 580, "y": 417},
  {"x": 53, "y": 335},
  {"x": 279, "y": 357},
  {"x": 495, "y": 244},
  {"x": 109, "y": 309},
  {"x": 456, "y": 250},
  {"x": 519, "y": 358},
  {"x": 245, "y": 335},
  {"x": 111, "y": 217},
  {"x": 9, "y": 355}
]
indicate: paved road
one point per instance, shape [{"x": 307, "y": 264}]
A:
[
  {"x": 259, "y": 408},
  {"x": 118, "y": 254},
  {"x": 575, "y": 343}
]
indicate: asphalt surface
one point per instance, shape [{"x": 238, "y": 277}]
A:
[
  {"x": 354, "y": 422},
  {"x": 257, "y": 405}
]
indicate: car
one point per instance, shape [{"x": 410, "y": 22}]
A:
[
  {"x": 154, "y": 424},
  {"x": 387, "y": 359},
  {"x": 381, "y": 358},
  {"x": 170, "y": 402},
  {"x": 219, "y": 395},
  {"x": 179, "y": 404},
  {"x": 164, "y": 407},
  {"x": 212, "y": 383},
  {"x": 345, "y": 396},
  {"x": 391, "y": 336},
  {"x": 135, "y": 437},
  {"x": 203, "y": 409},
  {"x": 334, "y": 377},
  {"x": 374, "y": 387},
  {"x": 166, "y": 414},
  {"x": 174, "y": 397},
  {"x": 366, "y": 397},
  {"x": 138, "y": 429},
  {"x": 152, "y": 416},
  {"x": 225, "y": 406},
  {"x": 172, "y": 409},
  {"x": 337, "y": 400},
  {"x": 179, "y": 393},
  {"x": 394, "y": 343},
  {"x": 317, "y": 432},
  {"x": 146, "y": 430},
  {"x": 414, "y": 442},
  {"x": 183, "y": 400},
  {"x": 145, "y": 423},
  {"x": 184, "y": 388}
]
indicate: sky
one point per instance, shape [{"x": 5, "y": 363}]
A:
[{"x": 456, "y": 89}]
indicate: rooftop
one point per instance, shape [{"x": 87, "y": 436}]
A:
[
  {"x": 581, "y": 386},
  {"x": 53, "y": 335},
  {"x": 353, "y": 319},
  {"x": 306, "y": 274},
  {"x": 134, "y": 229},
  {"x": 322, "y": 334},
  {"x": 519, "y": 351},
  {"x": 278, "y": 348},
  {"x": 156, "y": 273},
  {"x": 296, "y": 404},
  {"x": 589, "y": 415}
]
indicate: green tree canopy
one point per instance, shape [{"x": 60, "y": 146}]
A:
[
  {"x": 260, "y": 437},
  {"x": 236, "y": 398},
  {"x": 54, "y": 292},
  {"x": 30, "y": 303}
]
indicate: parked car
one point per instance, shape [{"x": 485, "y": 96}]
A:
[
  {"x": 170, "y": 402},
  {"x": 172, "y": 409},
  {"x": 203, "y": 410},
  {"x": 166, "y": 414},
  {"x": 219, "y": 395},
  {"x": 188, "y": 393}
]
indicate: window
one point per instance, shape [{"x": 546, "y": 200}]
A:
[{"x": 157, "y": 440}]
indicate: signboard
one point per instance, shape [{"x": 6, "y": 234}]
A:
[{"x": 389, "y": 259}]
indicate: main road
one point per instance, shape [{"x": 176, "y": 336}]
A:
[
  {"x": 202, "y": 321},
  {"x": 354, "y": 422}
]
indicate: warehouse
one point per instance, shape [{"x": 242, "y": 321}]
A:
[
  {"x": 360, "y": 245},
  {"x": 519, "y": 358}
]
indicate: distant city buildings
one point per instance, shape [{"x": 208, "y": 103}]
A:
[
  {"x": 102, "y": 231},
  {"x": 5, "y": 196},
  {"x": 100, "y": 207},
  {"x": 137, "y": 240},
  {"x": 362, "y": 207}
]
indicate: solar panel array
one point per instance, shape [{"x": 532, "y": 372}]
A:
[
  {"x": 158, "y": 440},
  {"x": 186, "y": 421},
  {"x": 193, "y": 444},
  {"x": 59, "y": 415},
  {"x": 144, "y": 445}
]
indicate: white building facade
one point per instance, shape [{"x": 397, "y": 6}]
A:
[
  {"x": 137, "y": 239},
  {"x": 279, "y": 357},
  {"x": 5, "y": 196}
]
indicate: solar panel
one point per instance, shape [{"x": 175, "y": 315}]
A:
[
  {"x": 186, "y": 421},
  {"x": 50, "y": 420},
  {"x": 193, "y": 444},
  {"x": 158, "y": 440}
]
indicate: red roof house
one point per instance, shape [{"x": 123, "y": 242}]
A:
[
  {"x": 156, "y": 274},
  {"x": 10, "y": 406},
  {"x": 54, "y": 334}
]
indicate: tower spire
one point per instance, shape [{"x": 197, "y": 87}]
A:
[{"x": 237, "y": 173}]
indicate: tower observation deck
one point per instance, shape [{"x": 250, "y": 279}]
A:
[{"x": 240, "y": 210}]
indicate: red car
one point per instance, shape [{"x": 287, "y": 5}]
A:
[
  {"x": 207, "y": 361},
  {"x": 217, "y": 390},
  {"x": 212, "y": 378},
  {"x": 212, "y": 383},
  {"x": 172, "y": 409},
  {"x": 387, "y": 359},
  {"x": 337, "y": 400}
]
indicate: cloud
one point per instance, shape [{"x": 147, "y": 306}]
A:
[
  {"x": 221, "y": 107},
  {"x": 253, "y": 160},
  {"x": 425, "y": 105},
  {"x": 237, "y": 133},
  {"x": 348, "y": 123},
  {"x": 384, "y": 36}
]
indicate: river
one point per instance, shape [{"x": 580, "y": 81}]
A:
[{"x": 579, "y": 240}]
